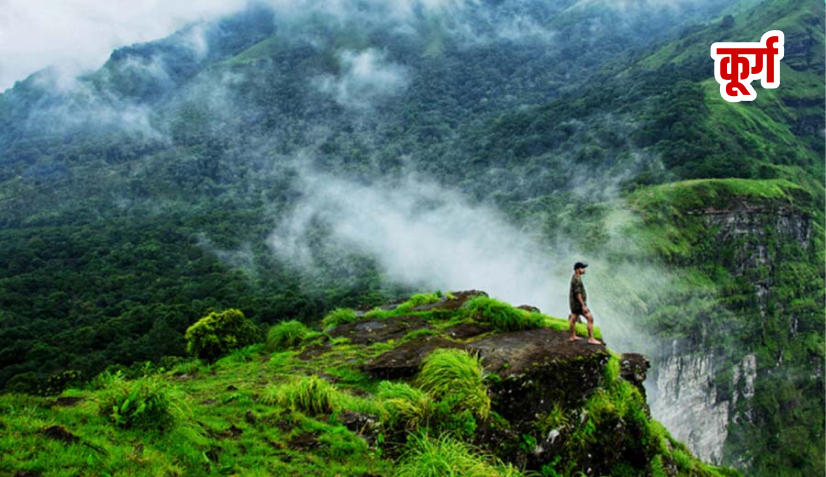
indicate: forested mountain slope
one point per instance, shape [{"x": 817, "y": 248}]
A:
[{"x": 139, "y": 197}]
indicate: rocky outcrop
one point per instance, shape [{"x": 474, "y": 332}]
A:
[
  {"x": 536, "y": 368},
  {"x": 634, "y": 369},
  {"x": 533, "y": 374}
]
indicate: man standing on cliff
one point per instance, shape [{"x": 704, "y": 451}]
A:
[{"x": 576, "y": 298}]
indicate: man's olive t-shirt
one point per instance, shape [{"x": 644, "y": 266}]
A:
[{"x": 577, "y": 287}]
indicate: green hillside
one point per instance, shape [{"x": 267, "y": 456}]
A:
[{"x": 302, "y": 403}]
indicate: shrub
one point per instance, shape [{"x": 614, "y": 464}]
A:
[
  {"x": 286, "y": 335},
  {"x": 455, "y": 377},
  {"x": 143, "y": 403},
  {"x": 310, "y": 394},
  {"x": 219, "y": 333},
  {"x": 500, "y": 315},
  {"x": 339, "y": 316},
  {"x": 438, "y": 457}
]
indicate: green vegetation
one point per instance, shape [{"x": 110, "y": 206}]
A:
[
  {"x": 407, "y": 406},
  {"x": 339, "y": 316},
  {"x": 418, "y": 300},
  {"x": 116, "y": 235},
  {"x": 286, "y": 335},
  {"x": 501, "y": 315},
  {"x": 443, "y": 455},
  {"x": 244, "y": 414},
  {"x": 219, "y": 333},
  {"x": 455, "y": 377},
  {"x": 143, "y": 403},
  {"x": 311, "y": 395}
]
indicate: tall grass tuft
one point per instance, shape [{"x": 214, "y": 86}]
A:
[
  {"x": 339, "y": 316},
  {"x": 455, "y": 377},
  {"x": 286, "y": 335},
  {"x": 500, "y": 315},
  {"x": 144, "y": 403},
  {"x": 406, "y": 405},
  {"x": 445, "y": 456},
  {"x": 310, "y": 394}
]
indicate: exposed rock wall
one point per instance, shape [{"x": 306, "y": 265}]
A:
[{"x": 686, "y": 392}]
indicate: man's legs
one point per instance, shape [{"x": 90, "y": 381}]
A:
[
  {"x": 572, "y": 319},
  {"x": 591, "y": 338}
]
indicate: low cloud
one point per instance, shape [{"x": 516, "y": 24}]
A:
[
  {"x": 76, "y": 104},
  {"x": 366, "y": 78},
  {"x": 428, "y": 237},
  {"x": 79, "y": 35}
]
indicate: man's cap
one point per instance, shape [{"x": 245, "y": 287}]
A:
[{"x": 580, "y": 265}]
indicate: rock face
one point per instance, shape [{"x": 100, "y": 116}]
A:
[
  {"x": 538, "y": 369},
  {"x": 684, "y": 399},
  {"x": 700, "y": 393}
]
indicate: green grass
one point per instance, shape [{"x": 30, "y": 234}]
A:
[
  {"x": 145, "y": 403},
  {"x": 500, "y": 315},
  {"x": 286, "y": 335},
  {"x": 418, "y": 300},
  {"x": 456, "y": 377},
  {"x": 339, "y": 316},
  {"x": 444, "y": 456},
  {"x": 311, "y": 394},
  {"x": 405, "y": 405},
  {"x": 689, "y": 195}
]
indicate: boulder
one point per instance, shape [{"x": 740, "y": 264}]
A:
[{"x": 538, "y": 369}]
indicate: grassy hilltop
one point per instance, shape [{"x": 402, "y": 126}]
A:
[{"x": 309, "y": 402}]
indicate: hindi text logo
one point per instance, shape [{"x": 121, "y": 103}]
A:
[{"x": 737, "y": 64}]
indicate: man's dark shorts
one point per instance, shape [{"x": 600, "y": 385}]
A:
[{"x": 577, "y": 310}]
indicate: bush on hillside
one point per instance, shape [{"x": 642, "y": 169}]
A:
[
  {"x": 144, "y": 403},
  {"x": 219, "y": 333},
  {"x": 286, "y": 335},
  {"x": 405, "y": 405}
]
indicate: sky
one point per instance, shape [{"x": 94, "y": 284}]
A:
[{"x": 80, "y": 34}]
